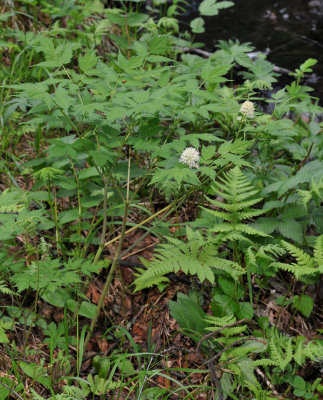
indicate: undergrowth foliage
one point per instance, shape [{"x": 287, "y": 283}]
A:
[{"x": 111, "y": 123}]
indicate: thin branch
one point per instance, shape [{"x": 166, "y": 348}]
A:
[{"x": 11, "y": 390}]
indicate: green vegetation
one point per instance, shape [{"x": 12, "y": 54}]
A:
[{"x": 118, "y": 139}]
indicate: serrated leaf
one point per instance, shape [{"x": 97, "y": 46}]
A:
[
  {"x": 291, "y": 229},
  {"x": 135, "y": 62},
  {"x": 159, "y": 44},
  {"x": 3, "y": 336},
  {"x": 88, "y": 173},
  {"x": 159, "y": 59},
  {"x": 88, "y": 61},
  {"x": 188, "y": 313}
]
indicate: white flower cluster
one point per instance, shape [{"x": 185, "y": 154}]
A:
[
  {"x": 190, "y": 157},
  {"x": 248, "y": 109}
]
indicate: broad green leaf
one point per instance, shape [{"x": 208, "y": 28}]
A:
[
  {"x": 87, "y": 309},
  {"x": 88, "y": 173},
  {"x": 197, "y": 25},
  {"x": 291, "y": 229},
  {"x": 37, "y": 373},
  {"x": 188, "y": 313},
  {"x": 3, "y": 336},
  {"x": 304, "y": 304},
  {"x": 244, "y": 310},
  {"x": 212, "y": 7}
]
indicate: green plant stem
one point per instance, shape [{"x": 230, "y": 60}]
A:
[
  {"x": 110, "y": 275},
  {"x": 145, "y": 234},
  {"x": 104, "y": 228},
  {"x": 55, "y": 217},
  {"x": 114, "y": 264},
  {"x": 79, "y": 205},
  {"x": 249, "y": 286},
  {"x": 140, "y": 224}
]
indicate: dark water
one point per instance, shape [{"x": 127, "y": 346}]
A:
[{"x": 290, "y": 31}]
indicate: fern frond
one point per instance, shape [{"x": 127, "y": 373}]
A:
[
  {"x": 239, "y": 352},
  {"x": 224, "y": 227},
  {"x": 318, "y": 251},
  {"x": 235, "y": 206},
  {"x": 238, "y": 195},
  {"x": 235, "y": 330},
  {"x": 304, "y": 260},
  {"x": 263, "y": 362},
  {"x": 218, "y": 214},
  {"x": 251, "y": 213},
  {"x": 272, "y": 249},
  {"x": 4, "y": 289},
  {"x": 235, "y": 236},
  {"x": 250, "y": 230},
  {"x": 217, "y": 322},
  {"x": 281, "y": 349},
  {"x": 314, "y": 351},
  {"x": 198, "y": 256},
  {"x": 306, "y": 265},
  {"x": 294, "y": 269}
]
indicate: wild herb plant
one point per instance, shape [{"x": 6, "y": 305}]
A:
[{"x": 124, "y": 127}]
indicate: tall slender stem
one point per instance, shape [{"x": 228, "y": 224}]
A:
[{"x": 114, "y": 264}]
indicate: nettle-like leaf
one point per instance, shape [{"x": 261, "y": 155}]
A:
[
  {"x": 198, "y": 256},
  {"x": 170, "y": 180},
  {"x": 35, "y": 93},
  {"x": 286, "y": 224},
  {"x": 88, "y": 62},
  {"x": 234, "y": 52},
  {"x": 45, "y": 275},
  {"x": 16, "y": 218},
  {"x": 311, "y": 171},
  {"x": 261, "y": 74},
  {"x": 189, "y": 314},
  {"x": 56, "y": 56},
  {"x": 233, "y": 152}
]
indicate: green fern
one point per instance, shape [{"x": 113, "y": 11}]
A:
[
  {"x": 69, "y": 393},
  {"x": 4, "y": 289},
  {"x": 306, "y": 264},
  {"x": 281, "y": 349},
  {"x": 318, "y": 252},
  {"x": 219, "y": 322},
  {"x": 312, "y": 350},
  {"x": 198, "y": 256},
  {"x": 238, "y": 195},
  {"x": 259, "y": 258}
]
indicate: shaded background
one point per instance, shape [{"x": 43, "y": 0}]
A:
[{"x": 291, "y": 31}]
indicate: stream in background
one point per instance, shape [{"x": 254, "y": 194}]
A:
[{"x": 289, "y": 31}]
